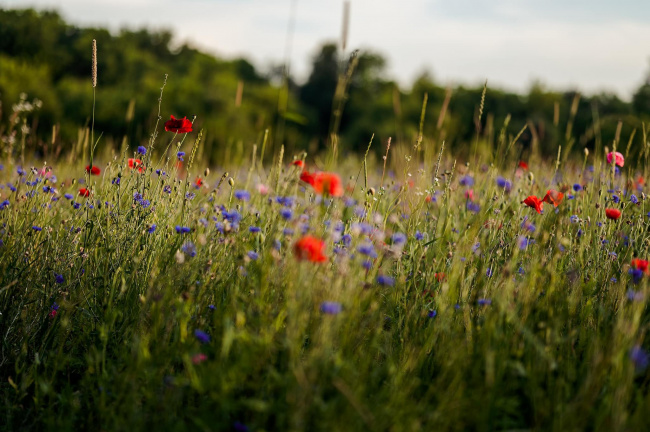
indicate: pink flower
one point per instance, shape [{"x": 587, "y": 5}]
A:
[
  {"x": 262, "y": 189},
  {"x": 620, "y": 160},
  {"x": 199, "y": 358}
]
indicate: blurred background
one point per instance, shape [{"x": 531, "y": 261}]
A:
[{"x": 247, "y": 66}]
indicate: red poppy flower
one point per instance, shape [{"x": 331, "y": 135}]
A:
[
  {"x": 641, "y": 265},
  {"x": 428, "y": 199},
  {"x": 310, "y": 248},
  {"x": 439, "y": 276},
  {"x": 178, "y": 125},
  {"x": 136, "y": 163},
  {"x": 328, "y": 183},
  {"x": 307, "y": 177},
  {"x": 553, "y": 197},
  {"x": 534, "y": 202},
  {"x": 612, "y": 213},
  {"x": 523, "y": 165},
  {"x": 84, "y": 192},
  {"x": 94, "y": 170},
  {"x": 617, "y": 157},
  {"x": 299, "y": 163},
  {"x": 469, "y": 194},
  {"x": 198, "y": 182}
]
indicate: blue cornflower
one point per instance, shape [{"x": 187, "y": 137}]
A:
[
  {"x": 367, "y": 249},
  {"x": 575, "y": 219},
  {"x": 180, "y": 155},
  {"x": 167, "y": 189},
  {"x": 466, "y": 181},
  {"x": 189, "y": 249},
  {"x": 76, "y": 205},
  {"x": 190, "y": 196},
  {"x": 640, "y": 358},
  {"x": 142, "y": 150},
  {"x": 11, "y": 187},
  {"x": 287, "y": 231},
  {"x": 20, "y": 171},
  {"x": 253, "y": 255},
  {"x": 346, "y": 239},
  {"x": 399, "y": 238},
  {"x": 137, "y": 196},
  {"x": 433, "y": 314},
  {"x": 116, "y": 181},
  {"x": 58, "y": 278},
  {"x": 634, "y": 199},
  {"x": 182, "y": 229},
  {"x": 232, "y": 216},
  {"x": 475, "y": 247},
  {"x": 504, "y": 183},
  {"x": 202, "y": 336},
  {"x": 151, "y": 229},
  {"x": 616, "y": 199},
  {"x": 484, "y": 302},
  {"x": 242, "y": 195},
  {"x": 145, "y": 203},
  {"x": 276, "y": 244},
  {"x": 522, "y": 242},
  {"x": 4, "y": 204},
  {"x": 637, "y": 275},
  {"x": 488, "y": 272},
  {"x": 367, "y": 264},
  {"x": 634, "y": 295},
  {"x": 473, "y": 207},
  {"x": 331, "y": 308},
  {"x": 385, "y": 280},
  {"x": 37, "y": 228},
  {"x": 418, "y": 235},
  {"x": 286, "y": 213},
  {"x": 211, "y": 307},
  {"x": 254, "y": 229},
  {"x": 577, "y": 187}
]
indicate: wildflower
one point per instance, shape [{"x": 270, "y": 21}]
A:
[
  {"x": 640, "y": 358},
  {"x": 466, "y": 181},
  {"x": 473, "y": 207},
  {"x": 299, "y": 163},
  {"x": 488, "y": 272},
  {"x": 439, "y": 277},
  {"x": 180, "y": 155},
  {"x": 58, "y": 278},
  {"x": 20, "y": 171},
  {"x": 84, "y": 192},
  {"x": 243, "y": 195},
  {"x": 145, "y": 203},
  {"x": 178, "y": 125},
  {"x": 307, "y": 177},
  {"x": 633, "y": 295},
  {"x": 199, "y": 358},
  {"x": 310, "y": 248},
  {"x": 151, "y": 229},
  {"x": 331, "y": 308},
  {"x": 641, "y": 265},
  {"x": 4, "y": 204},
  {"x": 523, "y": 165},
  {"x": 142, "y": 150},
  {"x": 475, "y": 247},
  {"x": 190, "y": 196},
  {"x": 577, "y": 187},
  {"x": 616, "y": 199},
  {"x": 504, "y": 183},
  {"x": 325, "y": 183},
  {"x": 198, "y": 182},
  {"x": 182, "y": 229},
  {"x": 76, "y": 205},
  {"x": 202, "y": 336},
  {"x": 93, "y": 170},
  {"x": 116, "y": 181},
  {"x": 553, "y": 197},
  {"x": 167, "y": 189},
  {"x": 469, "y": 194},
  {"x": 634, "y": 199},
  {"x": 612, "y": 213},
  {"x": 11, "y": 187},
  {"x": 189, "y": 249},
  {"x": 636, "y": 274},
  {"x": 574, "y": 219},
  {"x": 254, "y": 229},
  {"x": 534, "y": 202},
  {"x": 385, "y": 280},
  {"x": 253, "y": 255},
  {"x": 484, "y": 302},
  {"x": 620, "y": 160},
  {"x": 522, "y": 242},
  {"x": 399, "y": 238},
  {"x": 286, "y": 213},
  {"x": 262, "y": 189},
  {"x": 367, "y": 264},
  {"x": 368, "y": 250},
  {"x": 418, "y": 235},
  {"x": 37, "y": 228},
  {"x": 432, "y": 314},
  {"x": 135, "y": 164},
  {"x": 53, "y": 310}
]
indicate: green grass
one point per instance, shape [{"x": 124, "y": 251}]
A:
[{"x": 532, "y": 338}]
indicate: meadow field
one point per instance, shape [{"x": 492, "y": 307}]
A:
[
  {"x": 430, "y": 282},
  {"x": 142, "y": 289}
]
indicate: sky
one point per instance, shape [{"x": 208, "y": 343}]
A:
[{"x": 589, "y": 45}]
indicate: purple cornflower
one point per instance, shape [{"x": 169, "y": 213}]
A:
[
  {"x": 242, "y": 195},
  {"x": 368, "y": 250},
  {"x": 4, "y": 204},
  {"x": 142, "y": 150},
  {"x": 384, "y": 280},
  {"x": 151, "y": 229},
  {"x": 182, "y": 229},
  {"x": 58, "y": 278},
  {"x": 616, "y": 199},
  {"x": 640, "y": 358},
  {"x": 504, "y": 183},
  {"x": 634, "y": 199},
  {"x": 331, "y": 308},
  {"x": 180, "y": 155},
  {"x": 202, "y": 336},
  {"x": 68, "y": 196},
  {"x": 577, "y": 187},
  {"x": 189, "y": 249},
  {"x": 37, "y": 228},
  {"x": 286, "y": 213}
]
